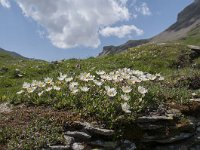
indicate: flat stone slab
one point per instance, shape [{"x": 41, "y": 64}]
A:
[
  {"x": 176, "y": 138},
  {"x": 95, "y": 130},
  {"x": 78, "y": 135},
  {"x": 59, "y": 147},
  {"x": 154, "y": 118},
  {"x": 104, "y": 144},
  {"x": 180, "y": 137},
  {"x": 78, "y": 146},
  {"x": 194, "y": 47},
  {"x": 195, "y": 100},
  {"x": 68, "y": 140}
]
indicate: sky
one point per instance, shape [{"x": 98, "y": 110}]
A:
[{"x": 63, "y": 29}]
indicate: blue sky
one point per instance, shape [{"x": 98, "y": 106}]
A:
[{"x": 32, "y": 31}]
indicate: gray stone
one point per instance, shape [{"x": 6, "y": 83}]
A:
[
  {"x": 198, "y": 129},
  {"x": 104, "y": 144},
  {"x": 78, "y": 135},
  {"x": 126, "y": 145},
  {"x": 195, "y": 100},
  {"x": 95, "y": 130},
  {"x": 59, "y": 147},
  {"x": 180, "y": 137},
  {"x": 154, "y": 118},
  {"x": 100, "y": 131},
  {"x": 78, "y": 146},
  {"x": 194, "y": 47},
  {"x": 146, "y": 126},
  {"x": 174, "y": 112},
  {"x": 68, "y": 140}
]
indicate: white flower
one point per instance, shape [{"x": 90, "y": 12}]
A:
[
  {"x": 48, "y": 80},
  {"x": 74, "y": 90},
  {"x": 86, "y": 77},
  {"x": 142, "y": 90},
  {"x": 84, "y": 89},
  {"x": 26, "y": 85},
  {"x": 20, "y": 92},
  {"x": 62, "y": 77},
  {"x": 68, "y": 79},
  {"x": 140, "y": 100},
  {"x": 126, "y": 89},
  {"x": 125, "y": 107},
  {"x": 111, "y": 92},
  {"x": 151, "y": 77},
  {"x": 41, "y": 84},
  {"x": 100, "y": 72},
  {"x": 73, "y": 85},
  {"x": 98, "y": 83},
  {"x": 40, "y": 94},
  {"x": 125, "y": 97},
  {"x": 161, "y": 78},
  {"x": 31, "y": 89},
  {"x": 125, "y": 76},
  {"x": 106, "y": 77},
  {"x": 49, "y": 89},
  {"x": 56, "y": 88},
  {"x": 34, "y": 83},
  {"x": 107, "y": 88}
]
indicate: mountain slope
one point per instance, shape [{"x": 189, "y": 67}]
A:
[
  {"x": 185, "y": 30},
  {"x": 187, "y": 20},
  {"x": 8, "y": 56}
]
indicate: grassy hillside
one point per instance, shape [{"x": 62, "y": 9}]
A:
[
  {"x": 173, "y": 72},
  {"x": 193, "y": 37},
  {"x": 171, "y": 60}
]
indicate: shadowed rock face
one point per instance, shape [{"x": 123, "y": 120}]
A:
[
  {"x": 116, "y": 49},
  {"x": 187, "y": 17},
  {"x": 187, "y": 20}
]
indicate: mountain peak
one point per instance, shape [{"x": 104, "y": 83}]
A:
[{"x": 188, "y": 21}]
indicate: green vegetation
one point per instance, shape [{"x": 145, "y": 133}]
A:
[{"x": 171, "y": 61}]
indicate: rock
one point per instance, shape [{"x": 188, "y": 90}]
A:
[
  {"x": 126, "y": 145},
  {"x": 59, "y": 147},
  {"x": 68, "y": 140},
  {"x": 198, "y": 129},
  {"x": 100, "y": 131},
  {"x": 193, "y": 47},
  {"x": 154, "y": 118},
  {"x": 92, "y": 129},
  {"x": 104, "y": 144},
  {"x": 147, "y": 126},
  {"x": 78, "y": 135},
  {"x": 175, "y": 112},
  {"x": 78, "y": 146},
  {"x": 195, "y": 100},
  {"x": 180, "y": 137}
]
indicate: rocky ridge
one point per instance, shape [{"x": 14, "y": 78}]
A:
[{"x": 187, "y": 20}]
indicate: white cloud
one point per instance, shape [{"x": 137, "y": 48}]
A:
[
  {"x": 121, "y": 31},
  {"x": 5, "y": 3},
  {"x": 71, "y": 23},
  {"x": 143, "y": 9}
]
